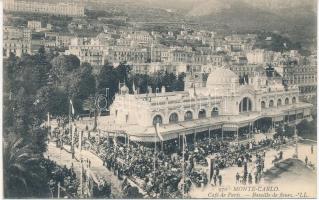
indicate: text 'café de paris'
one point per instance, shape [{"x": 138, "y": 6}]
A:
[{"x": 219, "y": 108}]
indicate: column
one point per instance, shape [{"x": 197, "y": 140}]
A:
[
  {"x": 209, "y": 135},
  {"x": 179, "y": 141},
  {"x": 194, "y": 136},
  {"x": 222, "y": 134},
  {"x": 237, "y": 136}
]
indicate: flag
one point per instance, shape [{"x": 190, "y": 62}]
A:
[
  {"x": 185, "y": 141},
  {"x": 48, "y": 119},
  {"x": 80, "y": 140},
  {"x": 158, "y": 133},
  {"x": 72, "y": 108},
  {"x": 133, "y": 87},
  {"x": 72, "y": 138},
  {"x": 114, "y": 141}
]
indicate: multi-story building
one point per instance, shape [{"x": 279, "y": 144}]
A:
[
  {"x": 10, "y": 32},
  {"x": 17, "y": 47},
  {"x": 304, "y": 75},
  {"x": 119, "y": 54},
  {"x": 64, "y": 40},
  {"x": 150, "y": 68},
  {"x": 216, "y": 60},
  {"x": 249, "y": 70},
  {"x": 64, "y": 9},
  {"x": 140, "y": 37},
  {"x": 88, "y": 50},
  {"x": 160, "y": 53},
  {"x": 16, "y": 41},
  {"x": 256, "y": 56},
  {"x": 34, "y": 25},
  {"x": 182, "y": 56}
]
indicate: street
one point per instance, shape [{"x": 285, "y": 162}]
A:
[
  {"x": 62, "y": 157},
  {"x": 229, "y": 173}
]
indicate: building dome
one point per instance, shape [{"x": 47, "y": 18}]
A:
[{"x": 221, "y": 77}]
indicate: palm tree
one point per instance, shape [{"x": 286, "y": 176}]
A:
[{"x": 23, "y": 175}]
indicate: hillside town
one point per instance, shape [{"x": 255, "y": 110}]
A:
[{"x": 116, "y": 108}]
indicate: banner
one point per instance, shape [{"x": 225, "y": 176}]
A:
[{"x": 72, "y": 108}]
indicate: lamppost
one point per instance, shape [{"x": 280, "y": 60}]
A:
[
  {"x": 296, "y": 141},
  {"x": 250, "y": 130},
  {"x": 98, "y": 107}
]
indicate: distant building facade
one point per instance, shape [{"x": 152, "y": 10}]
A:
[
  {"x": 34, "y": 25},
  {"x": 304, "y": 75},
  {"x": 63, "y": 9},
  {"x": 88, "y": 50},
  {"x": 16, "y": 41}
]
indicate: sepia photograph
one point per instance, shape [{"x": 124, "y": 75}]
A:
[{"x": 159, "y": 99}]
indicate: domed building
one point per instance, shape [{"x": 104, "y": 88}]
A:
[{"x": 219, "y": 107}]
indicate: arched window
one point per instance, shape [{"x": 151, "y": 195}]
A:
[
  {"x": 173, "y": 118},
  {"x": 215, "y": 112},
  {"x": 157, "y": 119},
  {"x": 287, "y": 101},
  {"x": 271, "y": 103},
  {"x": 201, "y": 114},
  {"x": 263, "y": 104},
  {"x": 293, "y": 99},
  {"x": 188, "y": 116},
  {"x": 245, "y": 105},
  {"x": 279, "y": 103}
]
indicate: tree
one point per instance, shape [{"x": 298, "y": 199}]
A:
[
  {"x": 285, "y": 130},
  {"x": 62, "y": 65},
  {"x": 23, "y": 176},
  {"x": 307, "y": 129},
  {"x": 132, "y": 192},
  {"x": 168, "y": 81},
  {"x": 108, "y": 79},
  {"x": 178, "y": 84},
  {"x": 87, "y": 83},
  {"x": 101, "y": 190}
]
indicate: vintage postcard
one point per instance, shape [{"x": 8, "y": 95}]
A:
[{"x": 167, "y": 99}]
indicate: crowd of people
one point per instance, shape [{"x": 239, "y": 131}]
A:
[
  {"x": 62, "y": 180},
  {"x": 161, "y": 173}
]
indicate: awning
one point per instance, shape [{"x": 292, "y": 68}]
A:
[
  {"x": 307, "y": 112},
  {"x": 215, "y": 127},
  {"x": 292, "y": 112},
  {"x": 278, "y": 119},
  {"x": 230, "y": 127}
]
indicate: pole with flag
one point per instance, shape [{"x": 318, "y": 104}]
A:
[
  {"x": 155, "y": 139},
  {"x": 158, "y": 134},
  {"x": 71, "y": 111},
  {"x": 49, "y": 127},
  {"x": 133, "y": 87},
  {"x": 184, "y": 143}
]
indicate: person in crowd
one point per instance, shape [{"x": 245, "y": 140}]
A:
[
  {"x": 220, "y": 179},
  {"x": 215, "y": 180},
  {"x": 250, "y": 179},
  {"x": 237, "y": 178}
]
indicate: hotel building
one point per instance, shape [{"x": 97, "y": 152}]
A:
[{"x": 63, "y": 9}]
